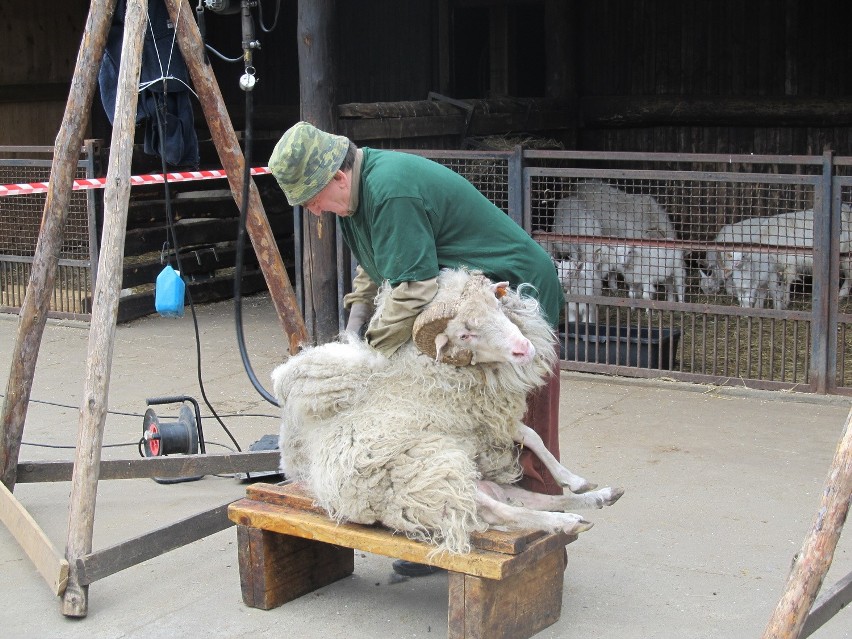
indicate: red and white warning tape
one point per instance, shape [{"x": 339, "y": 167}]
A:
[{"x": 135, "y": 180}]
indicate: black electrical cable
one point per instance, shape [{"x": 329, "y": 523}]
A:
[
  {"x": 170, "y": 222},
  {"x": 222, "y": 55},
  {"x": 238, "y": 264},
  {"x": 36, "y": 444},
  {"x": 274, "y": 20},
  {"x": 123, "y": 413}
]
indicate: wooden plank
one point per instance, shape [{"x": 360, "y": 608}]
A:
[
  {"x": 480, "y": 124},
  {"x": 109, "y": 561},
  {"x": 191, "y": 232},
  {"x": 296, "y": 495},
  {"x": 170, "y": 466},
  {"x": 47, "y": 560},
  {"x": 216, "y": 288},
  {"x": 832, "y": 601},
  {"x": 275, "y": 569},
  {"x": 670, "y": 110},
  {"x": 381, "y": 541}
]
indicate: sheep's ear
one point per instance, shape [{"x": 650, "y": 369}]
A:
[
  {"x": 441, "y": 340},
  {"x": 500, "y": 289}
]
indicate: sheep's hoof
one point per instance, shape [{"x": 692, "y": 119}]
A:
[
  {"x": 614, "y": 495},
  {"x": 581, "y": 526},
  {"x": 577, "y": 488}
]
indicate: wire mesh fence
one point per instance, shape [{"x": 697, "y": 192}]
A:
[
  {"x": 701, "y": 268},
  {"x": 705, "y": 268},
  {"x": 20, "y": 222}
]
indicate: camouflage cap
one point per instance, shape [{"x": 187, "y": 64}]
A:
[{"x": 305, "y": 159}]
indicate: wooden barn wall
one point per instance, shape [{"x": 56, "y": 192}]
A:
[
  {"x": 387, "y": 50},
  {"x": 756, "y": 49},
  {"x": 38, "y": 46}
]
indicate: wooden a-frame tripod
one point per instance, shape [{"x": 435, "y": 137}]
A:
[{"x": 70, "y": 576}]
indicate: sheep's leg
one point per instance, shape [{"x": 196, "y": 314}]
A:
[
  {"x": 517, "y": 496},
  {"x": 846, "y": 273},
  {"x": 528, "y": 438},
  {"x": 497, "y": 513}
]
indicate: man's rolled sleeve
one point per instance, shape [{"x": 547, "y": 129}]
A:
[
  {"x": 364, "y": 291},
  {"x": 391, "y": 329}
]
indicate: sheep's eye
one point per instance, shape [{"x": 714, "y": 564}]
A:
[{"x": 466, "y": 337}]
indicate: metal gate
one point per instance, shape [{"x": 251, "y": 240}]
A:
[
  {"x": 709, "y": 268},
  {"x": 20, "y": 221},
  {"x": 719, "y": 269}
]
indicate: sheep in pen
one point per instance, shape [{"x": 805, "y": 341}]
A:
[
  {"x": 609, "y": 226},
  {"x": 424, "y": 441}
]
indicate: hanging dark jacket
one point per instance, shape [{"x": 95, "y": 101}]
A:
[{"x": 160, "y": 57}]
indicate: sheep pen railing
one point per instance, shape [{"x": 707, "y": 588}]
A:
[
  {"x": 20, "y": 222},
  {"x": 786, "y": 327}
]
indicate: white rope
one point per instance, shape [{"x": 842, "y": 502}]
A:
[{"x": 164, "y": 74}]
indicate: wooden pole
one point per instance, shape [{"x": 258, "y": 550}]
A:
[
  {"x": 33, "y": 314},
  {"x": 814, "y": 560},
  {"x": 317, "y": 81},
  {"x": 225, "y": 140},
  {"x": 84, "y": 481}
]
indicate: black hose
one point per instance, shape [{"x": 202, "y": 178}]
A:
[
  {"x": 238, "y": 261},
  {"x": 161, "y": 115}
]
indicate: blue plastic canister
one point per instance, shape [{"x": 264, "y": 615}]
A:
[{"x": 169, "y": 293}]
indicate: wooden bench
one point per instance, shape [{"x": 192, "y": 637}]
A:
[{"x": 508, "y": 587}]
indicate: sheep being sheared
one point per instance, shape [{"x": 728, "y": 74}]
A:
[{"x": 424, "y": 441}]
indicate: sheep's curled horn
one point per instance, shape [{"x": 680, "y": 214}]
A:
[{"x": 433, "y": 321}]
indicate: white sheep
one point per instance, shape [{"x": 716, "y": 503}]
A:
[
  {"x": 623, "y": 214},
  {"x": 424, "y": 446},
  {"x": 580, "y": 278},
  {"x": 600, "y": 210},
  {"x": 648, "y": 268},
  {"x": 754, "y": 278},
  {"x": 795, "y": 228}
]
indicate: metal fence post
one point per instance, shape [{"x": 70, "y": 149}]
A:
[
  {"x": 824, "y": 275},
  {"x": 833, "y": 321},
  {"x": 516, "y": 185}
]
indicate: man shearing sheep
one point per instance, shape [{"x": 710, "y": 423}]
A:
[{"x": 404, "y": 218}]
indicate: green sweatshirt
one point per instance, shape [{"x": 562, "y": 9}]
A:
[{"x": 414, "y": 217}]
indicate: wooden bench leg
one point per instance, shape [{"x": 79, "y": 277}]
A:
[
  {"x": 276, "y": 568},
  {"x": 516, "y": 607}
]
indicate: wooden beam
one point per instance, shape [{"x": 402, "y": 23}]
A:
[
  {"x": 814, "y": 559},
  {"x": 33, "y": 314},
  {"x": 669, "y": 110},
  {"x": 172, "y": 466},
  {"x": 316, "y": 36},
  {"x": 832, "y": 601},
  {"x": 424, "y": 118},
  {"x": 109, "y": 561},
  {"x": 45, "y": 557},
  {"x": 93, "y": 409}
]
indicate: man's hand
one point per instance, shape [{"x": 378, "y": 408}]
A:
[{"x": 359, "y": 315}]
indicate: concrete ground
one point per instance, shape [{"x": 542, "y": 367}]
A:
[{"x": 721, "y": 487}]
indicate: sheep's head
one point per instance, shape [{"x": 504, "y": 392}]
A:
[{"x": 472, "y": 329}]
